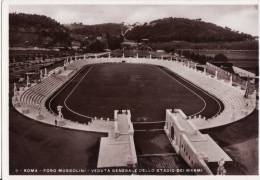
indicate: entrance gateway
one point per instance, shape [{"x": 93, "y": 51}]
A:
[{"x": 197, "y": 149}]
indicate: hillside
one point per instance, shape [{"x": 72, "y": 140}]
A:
[
  {"x": 109, "y": 34},
  {"x": 181, "y": 29},
  {"x": 112, "y": 29},
  {"x": 29, "y": 30},
  {"x": 36, "y": 30}
]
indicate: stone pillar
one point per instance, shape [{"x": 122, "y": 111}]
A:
[
  {"x": 45, "y": 72},
  {"x": 115, "y": 114},
  {"x": 216, "y": 74},
  {"x": 205, "y": 70},
  {"x": 84, "y": 56},
  {"x": 150, "y": 56},
  {"x": 137, "y": 55},
  {"x": 123, "y": 55},
  {"x": 109, "y": 55},
  {"x": 230, "y": 80}
]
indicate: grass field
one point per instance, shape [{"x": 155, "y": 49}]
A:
[{"x": 144, "y": 89}]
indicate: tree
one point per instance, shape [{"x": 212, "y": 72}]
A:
[
  {"x": 220, "y": 58},
  {"x": 114, "y": 42},
  {"x": 97, "y": 46}
]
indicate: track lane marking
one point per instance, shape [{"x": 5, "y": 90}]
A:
[
  {"x": 137, "y": 123},
  {"x": 201, "y": 98},
  {"x": 60, "y": 90},
  {"x": 205, "y": 92},
  {"x": 75, "y": 87}
]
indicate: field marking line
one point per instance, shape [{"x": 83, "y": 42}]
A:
[
  {"x": 60, "y": 90},
  {"x": 201, "y": 98},
  {"x": 75, "y": 87}
]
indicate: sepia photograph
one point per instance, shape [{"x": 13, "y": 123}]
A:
[{"x": 132, "y": 89}]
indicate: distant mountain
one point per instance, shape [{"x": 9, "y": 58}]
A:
[
  {"x": 36, "y": 30},
  {"x": 182, "y": 29}
]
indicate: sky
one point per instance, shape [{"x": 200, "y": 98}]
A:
[{"x": 242, "y": 18}]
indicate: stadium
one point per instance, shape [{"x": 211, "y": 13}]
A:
[{"x": 141, "y": 112}]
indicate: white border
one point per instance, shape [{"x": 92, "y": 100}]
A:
[
  {"x": 5, "y": 79},
  {"x": 137, "y": 2}
]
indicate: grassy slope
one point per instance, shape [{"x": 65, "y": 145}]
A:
[
  {"x": 240, "y": 141},
  {"x": 36, "y": 145}
]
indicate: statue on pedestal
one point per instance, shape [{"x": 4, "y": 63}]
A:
[
  {"x": 60, "y": 115},
  {"x": 221, "y": 169},
  {"x": 15, "y": 89},
  {"x": 45, "y": 72},
  {"x": 27, "y": 80},
  {"x": 41, "y": 75},
  {"x": 39, "y": 116}
]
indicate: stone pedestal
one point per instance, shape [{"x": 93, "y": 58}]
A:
[
  {"x": 61, "y": 122},
  {"x": 40, "y": 117},
  {"x": 25, "y": 111}
]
